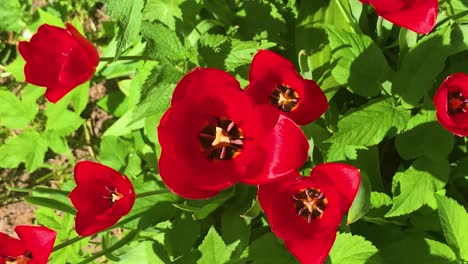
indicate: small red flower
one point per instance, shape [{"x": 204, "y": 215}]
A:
[
  {"x": 416, "y": 15},
  {"x": 214, "y": 135},
  {"x": 59, "y": 59},
  {"x": 274, "y": 80},
  {"x": 101, "y": 196},
  {"x": 451, "y": 102},
  {"x": 34, "y": 245},
  {"x": 306, "y": 211}
]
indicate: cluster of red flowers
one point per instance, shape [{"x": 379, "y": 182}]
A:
[{"x": 215, "y": 134}]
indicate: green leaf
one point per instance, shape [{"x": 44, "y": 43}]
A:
[
  {"x": 28, "y": 147},
  {"x": 242, "y": 52},
  {"x": 15, "y": 113},
  {"x": 361, "y": 203},
  {"x": 61, "y": 120},
  {"x": 213, "y": 249},
  {"x": 51, "y": 203},
  {"x": 366, "y": 126},
  {"x": 127, "y": 14},
  {"x": 349, "y": 249},
  {"x": 166, "y": 11},
  {"x": 47, "y": 18},
  {"x": 142, "y": 252},
  {"x": 254, "y": 211},
  {"x": 418, "y": 70},
  {"x": 163, "y": 43},
  {"x": 454, "y": 221},
  {"x": 268, "y": 249},
  {"x": 360, "y": 63},
  {"x": 11, "y": 14},
  {"x": 182, "y": 236},
  {"x": 114, "y": 151},
  {"x": 418, "y": 185},
  {"x": 418, "y": 138}
]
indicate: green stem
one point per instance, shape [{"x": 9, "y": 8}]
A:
[
  {"x": 68, "y": 242},
  {"x": 136, "y": 58},
  {"x": 155, "y": 192},
  {"x": 379, "y": 26}
]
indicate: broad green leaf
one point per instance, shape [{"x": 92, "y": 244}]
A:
[
  {"x": 47, "y": 18},
  {"x": 418, "y": 70},
  {"x": 349, "y": 249},
  {"x": 127, "y": 14},
  {"x": 28, "y": 147},
  {"x": 417, "y": 140},
  {"x": 142, "y": 252},
  {"x": 242, "y": 52},
  {"x": 213, "y": 249},
  {"x": 15, "y": 113},
  {"x": 417, "y": 185},
  {"x": 114, "y": 151},
  {"x": 366, "y": 126},
  {"x": 360, "y": 63},
  {"x": 454, "y": 221},
  {"x": 11, "y": 13},
  {"x": 268, "y": 249},
  {"x": 61, "y": 120},
  {"x": 166, "y": 11},
  {"x": 182, "y": 236}
]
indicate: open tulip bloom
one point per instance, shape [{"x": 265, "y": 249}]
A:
[
  {"x": 451, "y": 102},
  {"x": 59, "y": 59},
  {"x": 34, "y": 245},
  {"x": 417, "y": 15},
  {"x": 306, "y": 211},
  {"x": 101, "y": 196},
  {"x": 215, "y": 135},
  {"x": 274, "y": 80}
]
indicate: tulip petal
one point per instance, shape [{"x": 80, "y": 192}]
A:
[
  {"x": 311, "y": 251},
  {"x": 87, "y": 224},
  {"x": 10, "y": 246},
  {"x": 38, "y": 240},
  {"x": 266, "y": 61}
]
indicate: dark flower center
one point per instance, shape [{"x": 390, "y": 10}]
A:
[
  {"x": 221, "y": 139},
  {"x": 113, "y": 196},
  {"x": 457, "y": 103},
  {"x": 23, "y": 259},
  {"x": 310, "y": 204},
  {"x": 284, "y": 97}
]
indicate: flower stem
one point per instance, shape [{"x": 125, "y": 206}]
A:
[
  {"x": 155, "y": 192},
  {"x": 136, "y": 58},
  {"x": 68, "y": 242}
]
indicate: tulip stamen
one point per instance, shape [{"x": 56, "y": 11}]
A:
[
  {"x": 310, "y": 204},
  {"x": 23, "y": 259},
  {"x": 220, "y": 139},
  {"x": 113, "y": 196},
  {"x": 457, "y": 103},
  {"x": 285, "y": 98}
]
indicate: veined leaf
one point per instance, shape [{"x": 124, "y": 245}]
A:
[
  {"x": 349, "y": 249},
  {"x": 213, "y": 249}
]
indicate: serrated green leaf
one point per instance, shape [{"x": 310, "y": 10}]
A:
[
  {"x": 349, "y": 249},
  {"x": 418, "y": 138},
  {"x": 242, "y": 52},
  {"x": 142, "y": 252},
  {"x": 360, "y": 63},
  {"x": 418, "y": 185},
  {"x": 15, "y": 113},
  {"x": 163, "y": 43},
  {"x": 166, "y": 11},
  {"x": 366, "y": 126},
  {"x": 268, "y": 249},
  {"x": 114, "y": 151},
  {"x": 11, "y": 14},
  {"x": 28, "y": 147},
  {"x": 454, "y": 221},
  {"x": 61, "y": 120},
  {"x": 47, "y": 18},
  {"x": 213, "y": 249},
  {"x": 128, "y": 15},
  {"x": 182, "y": 236}
]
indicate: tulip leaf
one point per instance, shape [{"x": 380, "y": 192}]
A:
[
  {"x": 361, "y": 203},
  {"x": 351, "y": 249},
  {"x": 417, "y": 140},
  {"x": 51, "y": 203},
  {"x": 360, "y": 63},
  {"x": 454, "y": 221},
  {"x": 417, "y": 185},
  {"x": 366, "y": 126},
  {"x": 213, "y": 249}
]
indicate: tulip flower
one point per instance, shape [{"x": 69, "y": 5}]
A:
[
  {"x": 417, "y": 15},
  {"x": 214, "y": 135},
  {"x": 451, "y": 102},
  {"x": 59, "y": 59},
  {"x": 274, "y": 80},
  {"x": 101, "y": 196},
  {"x": 306, "y": 211},
  {"x": 34, "y": 245}
]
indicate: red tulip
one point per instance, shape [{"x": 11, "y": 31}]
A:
[
  {"x": 101, "y": 196},
  {"x": 59, "y": 59},
  {"x": 34, "y": 245},
  {"x": 417, "y": 15},
  {"x": 274, "y": 80},
  {"x": 306, "y": 211},
  {"x": 451, "y": 102},
  {"x": 214, "y": 135}
]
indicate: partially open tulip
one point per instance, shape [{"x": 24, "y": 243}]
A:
[
  {"x": 101, "y": 196},
  {"x": 274, "y": 80},
  {"x": 451, "y": 102},
  {"x": 417, "y": 15},
  {"x": 59, "y": 59},
  {"x": 306, "y": 211},
  {"x": 214, "y": 135},
  {"x": 34, "y": 245}
]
